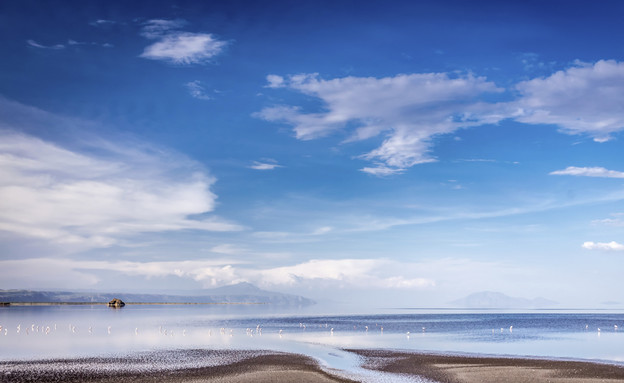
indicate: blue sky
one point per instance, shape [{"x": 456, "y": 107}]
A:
[{"x": 406, "y": 154}]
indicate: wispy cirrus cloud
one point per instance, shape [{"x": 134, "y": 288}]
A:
[
  {"x": 100, "y": 195},
  {"x": 179, "y": 47},
  {"x": 35, "y": 44},
  {"x": 588, "y": 172},
  {"x": 197, "y": 90},
  {"x": 265, "y": 164},
  {"x": 381, "y": 170},
  {"x": 606, "y": 246},
  {"x": 102, "y": 23},
  {"x": 70, "y": 43}
]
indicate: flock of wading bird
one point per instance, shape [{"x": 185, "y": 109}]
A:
[{"x": 46, "y": 329}]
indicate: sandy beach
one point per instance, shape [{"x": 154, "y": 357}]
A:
[{"x": 267, "y": 366}]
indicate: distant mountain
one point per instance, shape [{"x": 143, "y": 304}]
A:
[
  {"x": 240, "y": 293},
  {"x": 495, "y": 300}
]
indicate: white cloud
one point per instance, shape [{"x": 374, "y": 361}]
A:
[
  {"x": 102, "y": 23},
  {"x": 35, "y": 44},
  {"x": 179, "y": 47},
  {"x": 381, "y": 170},
  {"x": 409, "y": 109},
  {"x": 589, "y": 172},
  {"x": 275, "y": 81},
  {"x": 64, "y": 196},
  {"x": 584, "y": 99},
  {"x": 351, "y": 273},
  {"x": 360, "y": 273},
  {"x": 197, "y": 91},
  {"x": 609, "y": 221},
  {"x": 157, "y": 28},
  {"x": 101, "y": 194},
  {"x": 608, "y": 246},
  {"x": 266, "y": 164}
]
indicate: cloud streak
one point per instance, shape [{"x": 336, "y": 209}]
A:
[
  {"x": 266, "y": 164},
  {"x": 196, "y": 90},
  {"x": 35, "y": 44},
  {"x": 179, "y": 47},
  {"x": 605, "y": 246},
  {"x": 588, "y": 172}
]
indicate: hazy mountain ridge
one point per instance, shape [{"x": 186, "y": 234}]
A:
[
  {"x": 240, "y": 293},
  {"x": 496, "y": 300}
]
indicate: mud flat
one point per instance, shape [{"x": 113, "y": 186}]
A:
[{"x": 468, "y": 369}]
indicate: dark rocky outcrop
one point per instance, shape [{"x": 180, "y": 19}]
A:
[
  {"x": 116, "y": 303},
  {"x": 244, "y": 293}
]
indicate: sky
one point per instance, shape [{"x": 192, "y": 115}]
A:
[{"x": 402, "y": 153}]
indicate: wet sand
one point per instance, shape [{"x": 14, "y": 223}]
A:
[
  {"x": 231, "y": 367},
  {"x": 468, "y": 369},
  {"x": 268, "y": 366}
]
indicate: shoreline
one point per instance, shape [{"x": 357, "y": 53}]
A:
[
  {"x": 11, "y": 304},
  {"x": 242, "y": 366}
]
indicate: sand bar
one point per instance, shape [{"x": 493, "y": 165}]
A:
[
  {"x": 473, "y": 369},
  {"x": 208, "y": 366}
]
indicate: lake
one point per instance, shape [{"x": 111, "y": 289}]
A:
[{"x": 53, "y": 332}]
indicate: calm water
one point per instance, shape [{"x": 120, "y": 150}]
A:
[{"x": 81, "y": 331}]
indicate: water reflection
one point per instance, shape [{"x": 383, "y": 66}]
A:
[{"x": 81, "y": 331}]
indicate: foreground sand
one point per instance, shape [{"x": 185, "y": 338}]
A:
[
  {"x": 465, "y": 369},
  {"x": 260, "y": 367},
  {"x": 264, "y": 367}
]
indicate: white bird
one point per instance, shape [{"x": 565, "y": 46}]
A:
[
  {"x": 136, "y": 331},
  {"x": 615, "y": 327},
  {"x": 109, "y": 330},
  {"x": 510, "y": 328}
]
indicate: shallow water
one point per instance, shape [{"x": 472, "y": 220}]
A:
[{"x": 52, "y": 332}]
